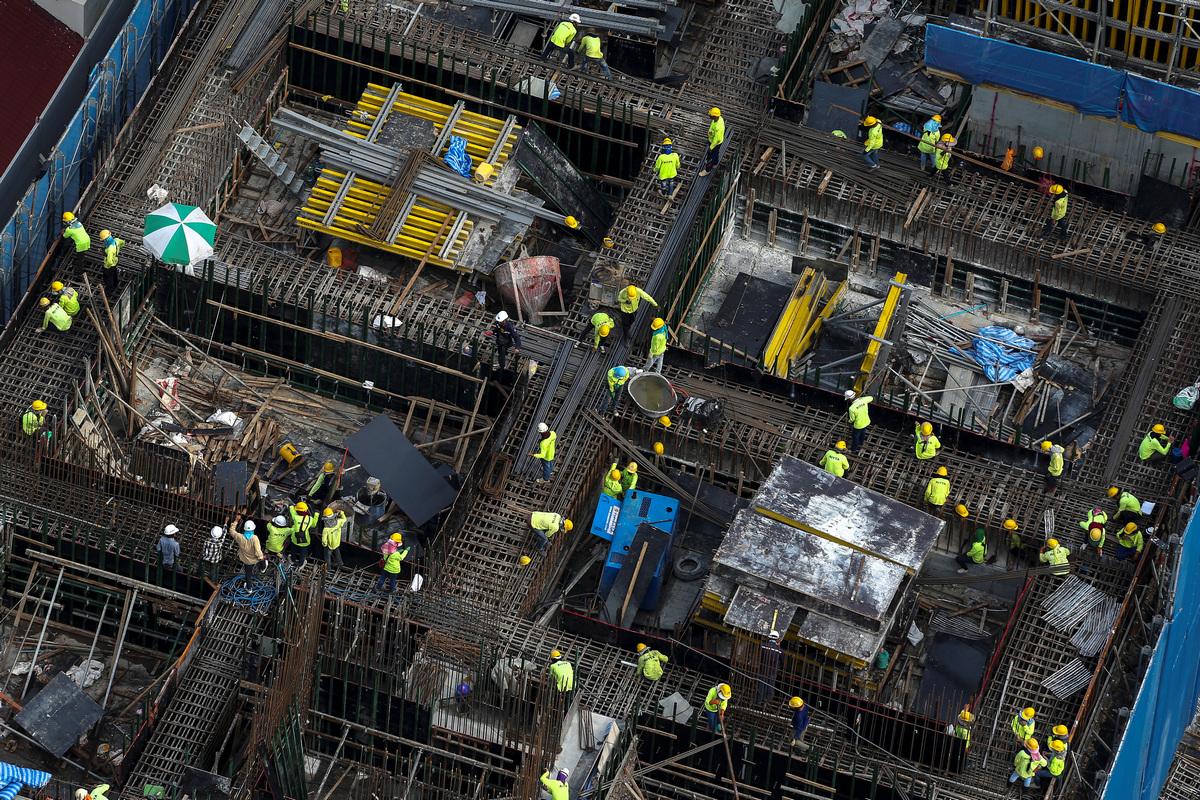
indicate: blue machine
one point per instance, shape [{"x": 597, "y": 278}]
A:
[{"x": 618, "y": 521}]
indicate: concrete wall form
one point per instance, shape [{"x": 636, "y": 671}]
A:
[{"x": 1092, "y": 150}]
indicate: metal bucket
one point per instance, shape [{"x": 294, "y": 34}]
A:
[{"x": 651, "y": 393}]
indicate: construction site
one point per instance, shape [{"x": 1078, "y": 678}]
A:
[{"x": 368, "y": 193}]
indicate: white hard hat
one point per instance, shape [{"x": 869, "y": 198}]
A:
[
  {"x": 170, "y": 530},
  {"x": 566, "y": 773},
  {"x": 773, "y": 635},
  {"x": 279, "y": 521},
  {"x": 574, "y": 18},
  {"x": 217, "y": 532},
  {"x": 80, "y": 794},
  {"x": 250, "y": 525},
  {"x": 850, "y": 394},
  {"x": 503, "y": 315},
  {"x": 543, "y": 427}
]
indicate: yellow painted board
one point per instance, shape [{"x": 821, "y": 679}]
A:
[
  {"x": 802, "y": 325},
  {"x": 786, "y": 319},
  {"x": 826, "y": 312},
  {"x": 881, "y": 327}
]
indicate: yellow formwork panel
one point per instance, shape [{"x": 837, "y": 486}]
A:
[
  {"x": 825, "y": 314},
  {"x": 809, "y": 304},
  {"x": 881, "y": 327},
  {"x": 362, "y": 201}
]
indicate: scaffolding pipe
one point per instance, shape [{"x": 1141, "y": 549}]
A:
[
  {"x": 42, "y": 637},
  {"x": 126, "y": 616},
  {"x": 87, "y": 665}
]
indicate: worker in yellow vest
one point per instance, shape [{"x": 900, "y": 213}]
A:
[
  {"x": 658, "y": 345},
  {"x": 545, "y": 451},
  {"x": 977, "y": 552},
  {"x": 66, "y": 297},
  {"x": 874, "y": 142},
  {"x": 1058, "y": 762},
  {"x": 557, "y": 787},
  {"x": 1129, "y": 508},
  {"x": 55, "y": 315},
  {"x": 602, "y": 325},
  {"x": 928, "y": 445},
  {"x": 666, "y": 166},
  {"x": 74, "y": 231},
  {"x": 650, "y": 663},
  {"x": 834, "y": 461},
  {"x": 612, "y": 484},
  {"x": 1129, "y": 542},
  {"x": 715, "y": 703},
  {"x": 545, "y": 524},
  {"x": 1058, "y": 212},
  {"x": 560, "y": 40},
  {"x": 716, "y": 136},
  {"x": 112, "y": 249},
  {"x": 391, "y": 567},
  {"x": 562, "y": 672},
  {"x": 630, "y": 299},
  {"x": 941, "y": 158},
  {"x": 962, "y": 726},
  {"x": 1023, "y": 724},
  {"x": 332, "y": 526},
  {"x": 938, "y": 489},
  {"x": 1055, "y": 555},
  {"x": 34, "y": 418},
  {"x": 860, "y": 418},
  {"x": 1054, "y": 469},
  {"x": 1156, "y": 445},
  {"x": 589, "y": 45}
]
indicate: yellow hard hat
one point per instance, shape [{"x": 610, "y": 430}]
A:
[
  {"x": 796, "y": 702},
  {"x": 57, "y": 286},
  {"x": 926, "y": 429},
  {"x": 524, "y": 560},
  {"x": 936, "y": 117},
  {"x": 641, "y": 647},
  {"x": 1113, "y": 491},
  {"x": 632, "y": 467},
  {"x": 1059, "y": 730},
  {"x": 555, "y": 654},
  {"x": 870, "y": 122},
  {"x": 1047, "y": 445},
  {"x": 1010, "y": 524},
  {"x": 1094, "y": 534},
  {"x": 1028, "y": 714},
  {"x": 105, "y": 234},
  {"x": 484, "y": 171},
  {"x": 614, "y": 475},
  {"x": 608, "y": 242},
  {"x": 1032, "y": 744},
  {"x": 947, "y": 137},
  {"x": 1130, "y": 527},
  {"x": 1160, "y": 228},
  {"x": 45, "y": 301},
  {"x": 665, "y": 421},
  {"x": 658, "y": 448},
  {"x": 667, "y": 140},
  {"x": 1057, "y": 189},
  {"x": 942, "y": 471},
  {"x": 68, "y": 216},
  {"x": 631, "y": 291},
  {"x": 329, "y": 467},
  {"x": 1038, "y": 152},
  {"x": 572, "y": 222},
  {"x": 302, "y": 506},
  {"x": 657, "y": 323},
  {"x": 397, "y": 537},
  {"x": 327, "y": 512},
  {"x": 840, "y": 445},
  {"x": 1057, "y": 744},
  {"x": 1052, "y": 543},
  {"x": 714, "y": 112},
  {"x": 604, "y": 331},
  {"x": 568, "y": 525},
  {"x": 961, "y": 510},
  {"x": 725, "y": 691},
  {"x": 38, "y": 405},
  {"x": 966, "y": 716},
  {"x": 1159, "y": 429}
]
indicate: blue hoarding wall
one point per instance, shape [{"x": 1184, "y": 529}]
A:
[
  {"x": 114, "y": 86},
  {"x": 1154, "y": 106},
  {"x": 1167, "y": 700},
  {"x": 1088, "y": 88}
]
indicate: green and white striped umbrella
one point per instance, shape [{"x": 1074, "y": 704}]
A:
[{"x": 179, "y": 234}]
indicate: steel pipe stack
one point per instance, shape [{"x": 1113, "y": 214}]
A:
[{"x": 608, "y": 20}]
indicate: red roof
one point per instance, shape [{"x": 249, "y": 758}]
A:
[{"x": 36, "y": 50}]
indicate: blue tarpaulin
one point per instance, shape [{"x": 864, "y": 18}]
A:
[
  {"x": 1167, "y": 700},
  {"x": 1002, "y": 354},
  {"x": 1089, "y": 88},
  {"x": 457, "y": 158},
  {"x": 1154, "y": 107}
]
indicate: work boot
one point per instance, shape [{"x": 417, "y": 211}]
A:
[
  {"x": 703, "y": 172},
  {"x": 962, "y": 571}
]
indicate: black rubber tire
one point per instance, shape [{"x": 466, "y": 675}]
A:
[{"x": 689, "y": 568}]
